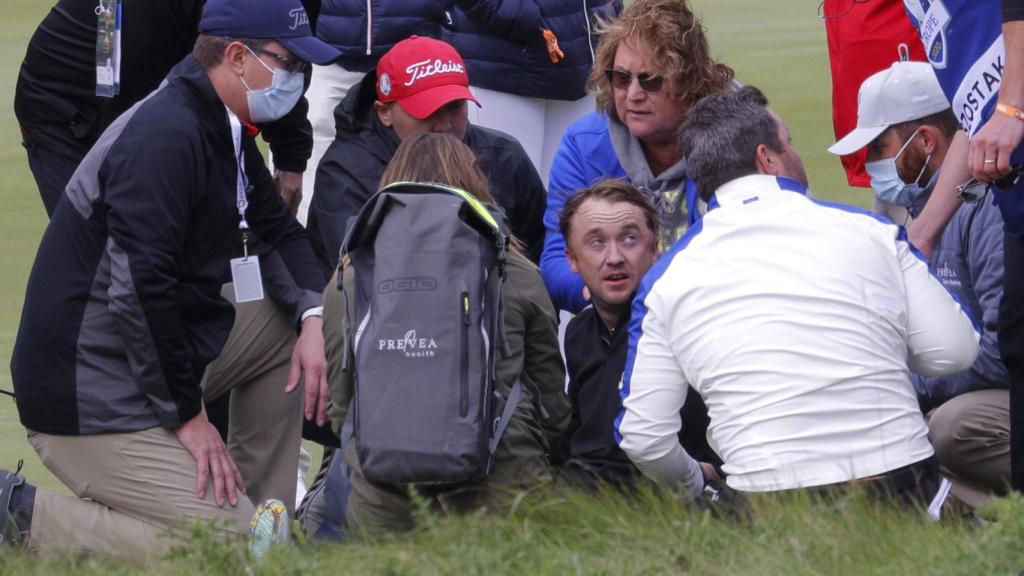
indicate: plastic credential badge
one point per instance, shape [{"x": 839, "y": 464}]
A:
[
  {"x": 108, "y": 48},
  {"x": 245, "y": 273}
]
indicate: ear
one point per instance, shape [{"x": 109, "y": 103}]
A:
[
  {"x": 234, "y": 57},
  {"x": 930, "y": 138},
  {"x": 767, "y": 160},
  {"x": 383, "y": 112},
  {"x": 572, "y": 260}
]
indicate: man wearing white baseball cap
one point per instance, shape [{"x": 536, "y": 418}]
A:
[
  {"x": 904, "y": 92},
  {"x": 907, "y": 125}
]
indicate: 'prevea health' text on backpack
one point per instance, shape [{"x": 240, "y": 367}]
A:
[{"x": 429, "y": 264}]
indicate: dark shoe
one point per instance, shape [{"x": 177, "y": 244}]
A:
[
  {"x": 11, "y": 534},
  {"x": 725, "y": 503}
]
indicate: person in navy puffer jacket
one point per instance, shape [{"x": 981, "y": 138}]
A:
[{"x": 521, "y": 89}]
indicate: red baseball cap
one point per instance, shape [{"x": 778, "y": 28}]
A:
[{"x": 422, "y": 75}]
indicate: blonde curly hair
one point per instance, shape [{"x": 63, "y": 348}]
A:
[{"x": 673, "y": 40}]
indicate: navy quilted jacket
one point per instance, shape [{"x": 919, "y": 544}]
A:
[{"x": 500, "y": 40}]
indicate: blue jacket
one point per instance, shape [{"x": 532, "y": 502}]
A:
[
  {"x": 969, "y": 262},
  {"x": 500, "y": 40},
  {"x": 585, "y": 156}
]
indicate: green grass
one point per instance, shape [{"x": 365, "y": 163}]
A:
[
  {"x": 612, "y": 536},
  {"x": 22, "y": 220},
  {"x": 778, "y": 46}
]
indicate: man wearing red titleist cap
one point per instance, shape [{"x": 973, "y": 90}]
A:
[
  {"x": 427, "y": 80},
  {"x": 124, "y": 309},
  {"x": 421, "y": 85}
]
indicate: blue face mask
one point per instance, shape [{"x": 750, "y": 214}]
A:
[
  {"x": 276, "y": 100},
  {"x": 886, "y": 181}
]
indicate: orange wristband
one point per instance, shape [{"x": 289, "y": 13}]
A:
[{"x": 1010, "y": 111}]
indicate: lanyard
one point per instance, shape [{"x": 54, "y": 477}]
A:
[{"x": 242, "y": 182}]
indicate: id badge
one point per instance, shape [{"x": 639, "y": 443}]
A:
[
  {"x": 108, "y": 48},
  {"x": 245, "y": 273}
]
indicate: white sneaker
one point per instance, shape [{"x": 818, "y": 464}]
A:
[{"x": 305, "y": 461}]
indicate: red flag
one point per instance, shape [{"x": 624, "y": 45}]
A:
[{"x": 863, "y": 38}]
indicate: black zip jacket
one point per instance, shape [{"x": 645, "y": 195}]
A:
[
  {"x": 123, "y": 309},
  {"x": 595, "y": 359},
  {"x": 349, "y": 173}
]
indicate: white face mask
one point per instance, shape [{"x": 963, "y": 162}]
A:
[
  {"x": 276, "y": 100},
  {"x": 886, "y": 181}
]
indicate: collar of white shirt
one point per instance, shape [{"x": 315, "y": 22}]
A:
[{"x": 746, "y": 189}]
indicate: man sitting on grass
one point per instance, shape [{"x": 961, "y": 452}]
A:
[
  {"x": 796, "y": 321},
  {"x": 611, "y": 230}
]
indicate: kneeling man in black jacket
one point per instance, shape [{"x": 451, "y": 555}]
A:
[{"x": 124, "y": 311}]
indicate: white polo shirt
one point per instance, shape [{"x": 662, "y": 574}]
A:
[{"x": 796, "y": 321}]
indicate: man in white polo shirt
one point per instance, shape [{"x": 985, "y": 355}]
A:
[{"x": 796, "y": 321}]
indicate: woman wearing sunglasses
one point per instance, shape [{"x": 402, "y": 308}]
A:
[{"x": 651, "y": 66}]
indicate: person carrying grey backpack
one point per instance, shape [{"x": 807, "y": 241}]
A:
[{"x": 514, "y": 383}]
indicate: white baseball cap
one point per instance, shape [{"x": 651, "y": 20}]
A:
[{"x": 904, "y": 92}]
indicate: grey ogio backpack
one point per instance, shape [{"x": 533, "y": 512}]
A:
[{"x": 429, "y": 264}]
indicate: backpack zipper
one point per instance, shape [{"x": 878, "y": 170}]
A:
[{"x": 464, "y": 356}]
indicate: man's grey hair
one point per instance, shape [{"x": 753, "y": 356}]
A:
[{"x": 720, "y": 136}]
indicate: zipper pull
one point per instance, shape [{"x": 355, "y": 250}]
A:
[
  {"x": 465, "y": 308},
  {"x": 554, "y": 52}
]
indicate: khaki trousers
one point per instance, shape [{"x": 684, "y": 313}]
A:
[
  {"x": 131, "y": 489},
  {"x": 971, "y": 436},
  {"x": 265, "y": 426},
  {"x": 133, "y": 486}
]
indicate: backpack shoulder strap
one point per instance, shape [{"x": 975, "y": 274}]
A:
[{"x": 506, "y": 416}]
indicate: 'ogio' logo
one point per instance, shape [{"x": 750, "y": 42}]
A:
[{"x": 407, "y": 285}]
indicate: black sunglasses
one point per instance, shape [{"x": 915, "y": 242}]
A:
[
  {"x": 975, "y": 190},
  {"x": 290, "y": 63},
  {"x": 621, "y": 79}
]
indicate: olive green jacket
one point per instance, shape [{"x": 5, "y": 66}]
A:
[{"x": 532, "y": 331}]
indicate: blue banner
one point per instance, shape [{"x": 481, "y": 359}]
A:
[{"x": 964, "y": 43}]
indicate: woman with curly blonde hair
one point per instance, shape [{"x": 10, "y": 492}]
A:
[{"x": 652, "y": 64}]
